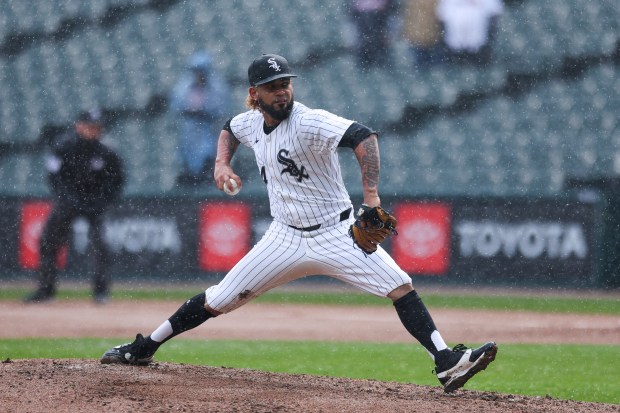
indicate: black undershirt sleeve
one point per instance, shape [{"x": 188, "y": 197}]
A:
[
  {"x": 227, "y": 128},
  {"x": 355, "y": 134}
]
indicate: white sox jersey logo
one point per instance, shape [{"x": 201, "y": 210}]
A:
[
  {"x": 273, "y": 64},
  {"x": 291, "y": 166}
]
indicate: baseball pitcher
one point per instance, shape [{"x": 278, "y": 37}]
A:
[{"x": 315, "y": 229}]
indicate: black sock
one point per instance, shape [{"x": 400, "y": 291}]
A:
[
  {"x": 150, "y": 346},
  {"x": 190, "y": 315},
  {"x": 417, "y": 320}
]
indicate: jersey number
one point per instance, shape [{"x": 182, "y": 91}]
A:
[{"x": 263, "y": 174}]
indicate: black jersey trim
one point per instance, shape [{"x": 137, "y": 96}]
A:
[
  {"x": 354, "y": 135},
  {"x": 227, "y": 128},
  {"x": 268, "y": 129}
]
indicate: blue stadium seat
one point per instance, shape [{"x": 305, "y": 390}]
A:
[
  {"x": 536, "y": 36},
  {"x": 508, "y": 145},
  {"x": 25, "y": 15},
  {"x": 130, "y": 138},
  {"x": 23, "y": 174}
]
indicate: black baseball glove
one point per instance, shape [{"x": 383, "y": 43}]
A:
[{"x": 371, "y": 227}]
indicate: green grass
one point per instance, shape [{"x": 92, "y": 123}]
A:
[
  {"x": 555, "y": 304},
  {"x": 481, "y": 302},
  {"x": 573, "y": 372}
]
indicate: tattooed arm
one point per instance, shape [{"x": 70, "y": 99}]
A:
[
  {"x": 367, "y": 154},
  {"x": 227, "y": 145}
]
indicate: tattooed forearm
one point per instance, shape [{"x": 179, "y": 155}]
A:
[
  {"x": 232, "y": 145},
  {"x": 227, "y": 144},
  {"x": 369, "y": 162}
]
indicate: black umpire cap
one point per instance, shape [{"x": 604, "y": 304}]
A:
[
  {"x": 267, "y": 68},
  {"x": 90, "y": 116}
]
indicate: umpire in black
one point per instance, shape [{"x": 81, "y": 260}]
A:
[{"x": 86, "y": 177}]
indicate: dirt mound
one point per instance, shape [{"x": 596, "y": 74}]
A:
[{"x": 87, "y": 386}]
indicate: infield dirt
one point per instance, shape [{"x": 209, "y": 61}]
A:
[{"x": 74, "y": 385}]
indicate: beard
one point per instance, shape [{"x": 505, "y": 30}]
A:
[{"x": 277, "y": 114}]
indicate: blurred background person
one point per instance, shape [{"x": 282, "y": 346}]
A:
[
  {"x": 422, "y": 31},
  {"x": 468, "y": 27},
  {"x": 85, "y": 177},
  {"x": 372, "y": 20},
  {"x": 200, "y": 99}
]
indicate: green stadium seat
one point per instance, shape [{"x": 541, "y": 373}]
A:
[
  {"x": 507, "y": 145},
  {"x": 23, "y": 174}
]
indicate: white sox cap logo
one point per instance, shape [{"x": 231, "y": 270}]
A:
[
  {"x": 267, "y": 68},
  {"x": 273, "y": 64}
]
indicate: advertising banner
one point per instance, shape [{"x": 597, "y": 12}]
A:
[
  {"x": 225, "y": 231},
  {"x": 509, "y": 241},
  {"x": 32, "y": 222},
  {"x": 150, "y": 237},
  {"x": 153, "y": 236},
  {"x": 9, "y": 222},
  {"x": 526, "y": 240},
  {"x": 423, "y": 242}
]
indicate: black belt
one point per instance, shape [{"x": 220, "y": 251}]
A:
[{"x": 344, "y": 215}]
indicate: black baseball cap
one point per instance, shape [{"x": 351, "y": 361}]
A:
[
  {"x": 267, "y": 68},
  {"x": 90, "y": 116}
]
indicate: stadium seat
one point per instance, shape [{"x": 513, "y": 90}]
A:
[
  {"x": 508, "y": 144},
  {"x": 23, "y": 174}
]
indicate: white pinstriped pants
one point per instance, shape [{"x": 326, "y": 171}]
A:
[{"x": 285, "y": 254}]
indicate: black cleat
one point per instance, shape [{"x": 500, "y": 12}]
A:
[
  {"x": 464, "y": 364},
  {"x": 101, "y": 298},
  {"x": 130, "y": 353},
  {"x": 41, "y": 295}
]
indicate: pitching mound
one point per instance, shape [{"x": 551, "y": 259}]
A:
[{"x": 87, "y": 386}]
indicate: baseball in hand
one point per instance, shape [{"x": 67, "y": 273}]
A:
[{"x": 231, "y": 187}]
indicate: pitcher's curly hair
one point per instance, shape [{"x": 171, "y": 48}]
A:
[{"x": 251, "y": 103}]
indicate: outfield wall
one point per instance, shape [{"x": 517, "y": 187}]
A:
[{"x": 516, "y": 241}]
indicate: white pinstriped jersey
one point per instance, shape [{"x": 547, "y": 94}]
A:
[{"x": 299, "y": 163}]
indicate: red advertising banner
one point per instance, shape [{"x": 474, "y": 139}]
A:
[
  {"x": 423, "y": 242},
  {"x": 224, "y": 235},
  {"x": 33, "y": 218}
]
